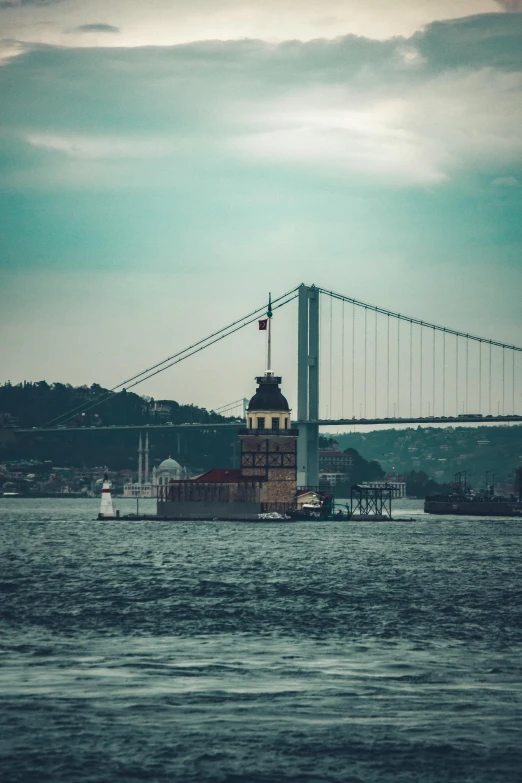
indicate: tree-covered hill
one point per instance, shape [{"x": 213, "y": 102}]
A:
[
  {"x": 33, "y": 404},
  {"x": 441, "y": 451},
  {"x": 79, "y": 442}
]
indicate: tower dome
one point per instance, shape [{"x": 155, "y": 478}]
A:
[
  {"x": 268, "y": 396},
  {"x": 268, "y": 409}
]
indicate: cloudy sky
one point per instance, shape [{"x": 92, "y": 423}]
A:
[{"x": 165, "y": 163}]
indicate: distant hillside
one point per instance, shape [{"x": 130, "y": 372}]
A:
[
  {"x": 440, "y": 452},
  {"x": 78, "y": 443},
  {"x": 34, "y": 404}
]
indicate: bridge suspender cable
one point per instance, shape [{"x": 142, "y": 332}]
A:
[
  {"x": 342, "y": 365},
  {"x": 443, "y": 373},
  {"x": 353, "y": 359},
  {"x": 388, "y": 372},
  {"x": 433, "y": 373},
  {"x": 480, "y": 378},
  {"x": 411, "y": 367},
  {"x": 457, "y": 376},
  {"x": 375, "y": 340}
]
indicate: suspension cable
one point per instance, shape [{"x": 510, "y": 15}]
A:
[
  {"x": 197, "y": 348},
  {"x": 418, "y": 321},
  {"x": 228, "y": 405},
  {"x": 109, "y": 392}
]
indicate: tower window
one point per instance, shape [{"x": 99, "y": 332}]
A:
[
  {"x": 250, "y": 422},
  {"x": 275, "y": 423},
  {"x": 286, "y": 423},
  {"x": 261, "y": 422}
]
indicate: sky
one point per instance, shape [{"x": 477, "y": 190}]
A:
[{"x": 164, "y": 165}]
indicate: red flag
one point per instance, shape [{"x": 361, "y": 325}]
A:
[{"x": 262, "y": 324}]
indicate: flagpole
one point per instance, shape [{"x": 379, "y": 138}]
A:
[{"x": 269, "y": 314}]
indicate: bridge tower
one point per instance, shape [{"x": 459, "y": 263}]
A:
[{"x": 308, "y": 387}]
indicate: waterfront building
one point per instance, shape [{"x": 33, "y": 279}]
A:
[
  {"x": 333, "y": 478},
  {"x": 267, "y": 478},
  {"x": 333, "y": 460}
]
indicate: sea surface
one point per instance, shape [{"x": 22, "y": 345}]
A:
[{"x": 258, "y": 652}]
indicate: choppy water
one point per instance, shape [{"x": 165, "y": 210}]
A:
[{"x": 239, "y": 652}]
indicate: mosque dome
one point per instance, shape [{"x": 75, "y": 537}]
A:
[
  {"x": 169, "y": 464},
  {"x": 168, "y": 470},
  {"x": 268, "y": 396}
]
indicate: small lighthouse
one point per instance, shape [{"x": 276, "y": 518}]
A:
[{"x": 106, "y": 507}]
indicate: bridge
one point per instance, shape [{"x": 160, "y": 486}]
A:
[{"x": 378, "y": 367}]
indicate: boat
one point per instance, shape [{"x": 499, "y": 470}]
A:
[{"x": 473, "y": 507}]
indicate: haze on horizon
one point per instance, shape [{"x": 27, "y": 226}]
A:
[{"x": 164, "y": 165}]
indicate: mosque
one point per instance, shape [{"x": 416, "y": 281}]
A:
[
  {"x": 266, "y": 481},
  {"x": 146, "y": 486}
]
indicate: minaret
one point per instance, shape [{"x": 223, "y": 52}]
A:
[
  {"x": 140, "y": 461},
  {"x": 146, "y": 477}
]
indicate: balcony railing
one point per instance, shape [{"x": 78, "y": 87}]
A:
[{"x": 293, "y": 432}]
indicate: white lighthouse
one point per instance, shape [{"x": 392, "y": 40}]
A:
[{"x": 106, "y": 507}]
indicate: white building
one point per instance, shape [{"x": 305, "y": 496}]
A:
[
  {"x": 332, "y": 478},
  {"x": 146, "y": 485}
]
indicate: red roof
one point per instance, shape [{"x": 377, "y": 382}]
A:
[{"x": 222, "y": 476}]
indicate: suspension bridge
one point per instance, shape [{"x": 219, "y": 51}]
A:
[{"x": 361, "y": 364}]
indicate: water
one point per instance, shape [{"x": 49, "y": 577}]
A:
[{"x": 231, "y": 652}]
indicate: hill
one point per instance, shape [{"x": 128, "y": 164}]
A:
[{"x": 441, "y": 452}]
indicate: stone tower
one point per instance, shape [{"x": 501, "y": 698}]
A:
[{"x": 269, "y": 445}]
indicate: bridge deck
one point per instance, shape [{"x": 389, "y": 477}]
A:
[{"x": 471, "y": 419}]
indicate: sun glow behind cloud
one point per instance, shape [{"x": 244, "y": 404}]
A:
[{"x": 164, "y": 22}]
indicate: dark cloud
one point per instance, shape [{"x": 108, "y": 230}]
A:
[
  {"x": 511, "y": 5},
  {"x": 95, "y": 28},
  {"x": 485, "y": 40},
  {"x": 20, "y": 3}
]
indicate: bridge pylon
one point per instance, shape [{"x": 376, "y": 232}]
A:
[{"x": 308, "y": 386}]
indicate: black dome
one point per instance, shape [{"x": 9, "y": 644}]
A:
[{"x": 268, "y": 396}]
